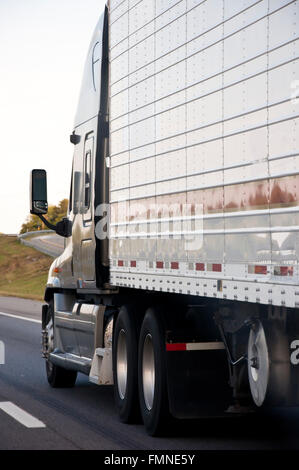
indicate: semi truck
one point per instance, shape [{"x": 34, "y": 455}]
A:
[{"x": 179, "y": 281}]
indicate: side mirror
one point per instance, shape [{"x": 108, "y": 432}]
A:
[{"x": 38, "y": 192}]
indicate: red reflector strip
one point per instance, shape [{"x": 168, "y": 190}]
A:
[
  {"x": 133, "y": 264},
  {"x": 217, "y": 268},
  {"x": 283, "y": 270},
  {"x": 205, "y": 346},
  {"x": 258, "y": 269},
  {"x": 199, "y": 266},
  {"x": 159, "y": 264},
  {"x": 175, "y": 346},
  {"x": 286, "y": 270},
  {"x": 120, "y": 262},
  {"x": 174, "y": 265}
]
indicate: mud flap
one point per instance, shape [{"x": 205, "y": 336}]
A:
[
  {"x": 198, "y": 383},
  {"x": 45, "y": 318}
]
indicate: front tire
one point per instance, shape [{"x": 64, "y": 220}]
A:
[
  {"x": 57, "y": 376},
  {"x": 153, "y": 395}
]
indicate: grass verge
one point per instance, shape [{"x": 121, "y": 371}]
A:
[{"x": 24, "y": 271}]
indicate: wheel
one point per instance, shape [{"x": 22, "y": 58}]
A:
[
  {"x": 152, "y": 382},
  {"x": 268, "y": 364},
  {"x": 124, "y": 353},
  {"x": 57, "y": 376}
]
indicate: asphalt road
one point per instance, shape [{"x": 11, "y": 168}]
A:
[
  {"x": 52, "y": 245},
  {"x": 85, "y": 418}
]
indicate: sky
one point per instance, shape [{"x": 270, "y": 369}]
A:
[{"x": 43, "y": 46}]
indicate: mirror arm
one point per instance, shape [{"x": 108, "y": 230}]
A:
[
  {"x": 63, "y": 228},
  {"x": 48, "y": 224}
]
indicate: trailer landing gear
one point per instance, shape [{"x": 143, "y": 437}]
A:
[{"x": 269, "y": 364}]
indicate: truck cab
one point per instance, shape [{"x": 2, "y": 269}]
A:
[{"x": 84, "y": 263}]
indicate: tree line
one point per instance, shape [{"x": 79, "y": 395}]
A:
[{"x": 55, "y": 214}]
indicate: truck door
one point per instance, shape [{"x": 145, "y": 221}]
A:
[
  {"x": 83, "y": 238},
  {"x": 87, "y": 249},
  {"x": 84, "y": 248}
]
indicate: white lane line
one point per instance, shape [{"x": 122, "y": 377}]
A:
[
  {"x": 19, "y": 317},
  {"x": 20, "y": 415}
]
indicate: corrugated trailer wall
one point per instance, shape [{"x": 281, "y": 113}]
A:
[{"x": 204, "y": 141}]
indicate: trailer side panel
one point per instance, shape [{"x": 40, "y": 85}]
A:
[{"x": 204, "y": 142}]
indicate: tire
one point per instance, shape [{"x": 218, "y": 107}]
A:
[
  {"x": 58, "y": 377},
  {"x": 125, "y": 373},
  {"x": 152, "y": 381}
]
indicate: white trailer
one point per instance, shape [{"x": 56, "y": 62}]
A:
[{"x": 180, "y": 279}]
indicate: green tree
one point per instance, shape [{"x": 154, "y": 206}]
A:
[
  {"x": 55, "y": 214},
  {"x": 32, "y": 223}
]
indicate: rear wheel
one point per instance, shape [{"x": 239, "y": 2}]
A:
[
  {"x": 57, "y": 376},
  {"x": 124, "y": 349},
  {"x": 152, "y": 380}
]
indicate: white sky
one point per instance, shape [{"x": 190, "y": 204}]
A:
[{"x": 43, "y": 46}]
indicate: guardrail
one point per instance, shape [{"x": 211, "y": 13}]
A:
[
  {"x": 36, "y": 232},
  {"x": 43, "y": 249}
]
